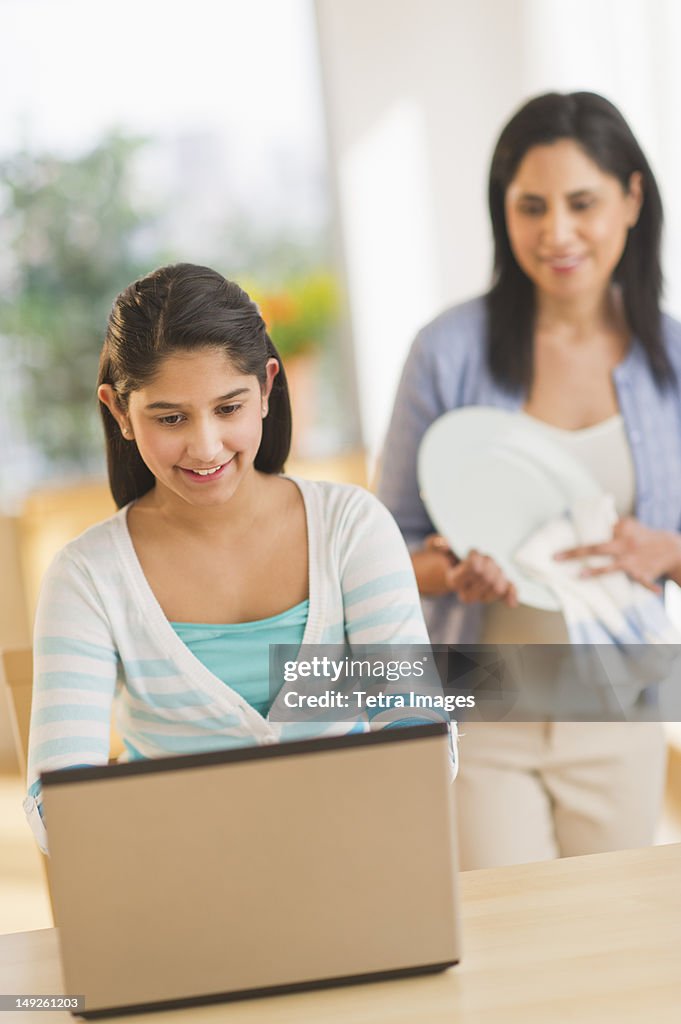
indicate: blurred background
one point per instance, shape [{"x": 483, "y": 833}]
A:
[{"x": 331, "y": 156}]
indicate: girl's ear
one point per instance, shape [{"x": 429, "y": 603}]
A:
[
  {"x": 108, "y": 397},
  {"x": 271, "y": 371}
]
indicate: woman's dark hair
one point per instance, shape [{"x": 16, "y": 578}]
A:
[
  {"x": 184, "y": 308},
  {"x": 598, "y": 127}
]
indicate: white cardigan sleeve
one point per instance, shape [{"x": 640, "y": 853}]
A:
[{"x": 381, "y": 599}]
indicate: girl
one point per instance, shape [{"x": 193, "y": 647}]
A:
[{"x": 168, "y": 608}]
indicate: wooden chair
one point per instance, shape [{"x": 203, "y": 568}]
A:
[
  {"x": 16, "y": 677},
  {"x": 16, "y": 671},
  {"x": 16, "y": 674}
]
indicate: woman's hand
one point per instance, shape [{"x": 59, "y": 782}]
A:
[
  {"x": 643, "y": 554},
  {"x": 476, "y": 578}
]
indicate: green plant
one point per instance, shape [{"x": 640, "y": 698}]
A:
[{"x": 74, "y": 234}]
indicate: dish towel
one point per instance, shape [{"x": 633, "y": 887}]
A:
[{"x": 608, "y": 610}]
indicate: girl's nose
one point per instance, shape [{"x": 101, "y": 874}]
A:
[{"x": 204, "y": 443}]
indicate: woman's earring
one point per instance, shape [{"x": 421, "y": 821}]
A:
[{"x": 264, "y": 408}]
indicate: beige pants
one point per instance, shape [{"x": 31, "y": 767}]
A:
[{"x": 534, "y": 791}]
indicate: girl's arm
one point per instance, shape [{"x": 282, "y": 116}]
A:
[
  {"x": 380, "y": 596},
  {"x": 75, "y": 670},
  {"x": 382, "y": 605}
]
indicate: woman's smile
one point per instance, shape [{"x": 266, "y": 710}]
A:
[
  {"x": 564, "y": 264},
  {"x": 568, "y": 220}
]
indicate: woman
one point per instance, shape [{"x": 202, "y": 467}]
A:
[
  {"x": 168, "y": 608},
  {"x": 571, "y": 335}
]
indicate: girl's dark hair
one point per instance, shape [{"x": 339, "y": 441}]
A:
[
  {"x": 601, "y": 131},
  {"x": 183, "y": 308}
]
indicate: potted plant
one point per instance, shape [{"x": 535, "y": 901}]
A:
[{"x": 300, "y": 317}]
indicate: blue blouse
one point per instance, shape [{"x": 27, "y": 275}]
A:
[
  {"x": 239, "y": 653},
  {"x": 447, "y": 369}
]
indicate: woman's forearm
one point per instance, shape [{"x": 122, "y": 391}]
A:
[{"x": 432, "y": 570}]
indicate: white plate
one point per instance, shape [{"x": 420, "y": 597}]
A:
[{"x": 489, "y": 479}]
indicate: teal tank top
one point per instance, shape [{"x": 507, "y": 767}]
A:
[{"x": 238, "y": 653}]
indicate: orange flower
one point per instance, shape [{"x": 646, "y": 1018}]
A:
[{"x": 278, "y": 308}]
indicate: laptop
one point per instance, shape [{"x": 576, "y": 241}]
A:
[{"x": 192, "y": 879}]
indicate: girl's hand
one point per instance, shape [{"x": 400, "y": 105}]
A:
[
  {"x": 476, "y": 578},
  {"x": 643, "y": 554}
]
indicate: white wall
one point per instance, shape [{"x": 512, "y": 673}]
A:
[
  {"x": 408, "y": 109},
  {"x": 416, "y": 93}
]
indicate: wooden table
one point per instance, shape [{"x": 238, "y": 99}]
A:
[{"x": 587, "y": 939}]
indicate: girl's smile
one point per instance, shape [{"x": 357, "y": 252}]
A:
[{"x": 202, "y": 476}]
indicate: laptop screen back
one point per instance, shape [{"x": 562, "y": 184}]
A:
[{"x": 258, "y": 869}]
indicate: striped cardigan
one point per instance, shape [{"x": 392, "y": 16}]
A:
[{"x": 102, "y": 641}]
